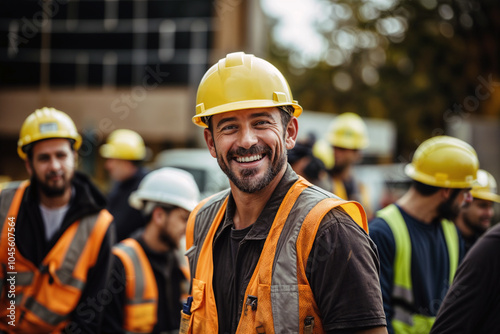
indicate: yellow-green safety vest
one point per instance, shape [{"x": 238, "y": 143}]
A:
[{"x": 403, "y": 320}]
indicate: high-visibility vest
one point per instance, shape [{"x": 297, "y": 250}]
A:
[
  {"x": 141, "y": 291},
  {"x": 277, "y": 299},
  {"x": 41, "y": 299},
  {"x": 403, "y": 320}
]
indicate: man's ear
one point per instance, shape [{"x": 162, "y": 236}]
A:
[
  {"x": 157, "y": 215},
  {"x": 209, "y": 139},
  {"x": 292, "y": 131},
  {"x": 445, "y": 193}
]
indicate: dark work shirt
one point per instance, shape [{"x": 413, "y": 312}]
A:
[{"x": 470, "y": 241}]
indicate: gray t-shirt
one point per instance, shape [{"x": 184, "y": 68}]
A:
[{"x": 52, "y": 219}]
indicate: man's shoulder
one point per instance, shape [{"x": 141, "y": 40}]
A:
[
  {"x": 337, "y": 218},
  {"x": 10, "y": 185}
]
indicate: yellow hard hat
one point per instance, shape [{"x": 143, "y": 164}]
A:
[
  {"x": 47, "y": 123},
  {"x": 348, "y": 130},
  {"x": 444, "y": 162},
  {"x": 485, "y": 187},
  {"x": 324, "y": 152},
  {"x": 241, "y": 81},
  {"x": 124, "y": 144}
]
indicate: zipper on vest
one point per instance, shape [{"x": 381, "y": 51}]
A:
[
  {"x": 308, "y": 324},
  {"x": 252, "y": 302}
]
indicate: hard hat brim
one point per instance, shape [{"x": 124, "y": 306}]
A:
[
  {"x": 242, "y": 105},
  {"x": 411, "y": 171},
  {"x": 486, "y": 196}
]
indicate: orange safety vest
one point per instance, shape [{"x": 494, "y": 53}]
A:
[
  {"x": 141, "y": 306},
  {"x": 41, "y": 299},
  {"x": 273, "y": 303}
]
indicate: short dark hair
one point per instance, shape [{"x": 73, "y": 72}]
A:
[
  {"x": 206, "y": 120},
  {"x": 424, "y": 189},
  {"x": 286, "y": 115},
  {"x": 165, "y": 207}
]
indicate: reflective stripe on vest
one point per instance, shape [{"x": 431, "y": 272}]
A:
[
  {"x": 405, "y": 321},
  {"x": 140, "y": 311},
  {"x": 45, "y": 296},
  {"x": 6, "y": 198},
  {"x": 278, "y": 298}
]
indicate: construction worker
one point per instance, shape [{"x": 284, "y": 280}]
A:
[
  {"x": 471, "y": 305},
  {"x": 348, "y": 135},
  {"x": 150, "y": 279},
  {"x": 418, "y": 244},
  {"x": 262, "y": 257},
  {"x": 475, "y": 217},
  {"x": 56, "y": 239},
  {"x": 124, "y": 152}
]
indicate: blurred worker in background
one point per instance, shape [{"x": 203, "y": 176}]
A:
[
  {"x": 273, "y": 253},
  {"x": 348, "y": 135},
  {"x": 418, "y": 244},
  {"x": 311, "y": 158},
  {"x": 472, "y": 304},
  {"x": 124, "y": 152},
  {"x": 56, "y": 240},
  {"x": 475, "y": 217},
  {"x": 149, "y": 276}
]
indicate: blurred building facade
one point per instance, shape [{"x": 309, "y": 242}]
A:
[{"x": 113, "y": 64}]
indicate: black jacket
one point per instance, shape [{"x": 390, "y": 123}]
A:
[{"x": 126, "y": 218}]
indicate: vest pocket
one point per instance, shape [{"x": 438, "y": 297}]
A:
[
  {"x": 263, "y": 315},
  {"x": 199, "y": 317},
  {"x": 309, "y": 319}
]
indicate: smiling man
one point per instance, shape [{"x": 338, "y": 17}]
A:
[
  {"x": 273, "y": 253},
  {"x": 475, "y": 217},
  {"x": 56, "y": 235}
]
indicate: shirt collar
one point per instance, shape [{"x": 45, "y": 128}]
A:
[{"x": 260, "y": 229}]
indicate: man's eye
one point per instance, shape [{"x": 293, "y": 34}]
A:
[{"x": 228, "y": 127}]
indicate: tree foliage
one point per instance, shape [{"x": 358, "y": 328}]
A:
[{"x": 418, "y": 63}]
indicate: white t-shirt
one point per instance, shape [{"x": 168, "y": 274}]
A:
[{"x": 52, "y": 219}]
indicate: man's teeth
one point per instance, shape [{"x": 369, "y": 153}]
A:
[{"x": 249, "y": 159}]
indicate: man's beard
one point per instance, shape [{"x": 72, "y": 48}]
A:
[
  {"x": 245, "y": 183},
  {"x": 53, "y": 191},
  {"x": 338, "y": 169},
  {"x": 446, "y": 210},
  {"x": 168, "y": 240},
  {"x": 477, "y": 228}
]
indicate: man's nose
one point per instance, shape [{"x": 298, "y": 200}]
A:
[
  {"x": 55, "y": 164},
  {"x": 247, "y": 137}
]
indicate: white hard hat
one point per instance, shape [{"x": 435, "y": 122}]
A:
[{"x": 166, "y": 186}]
